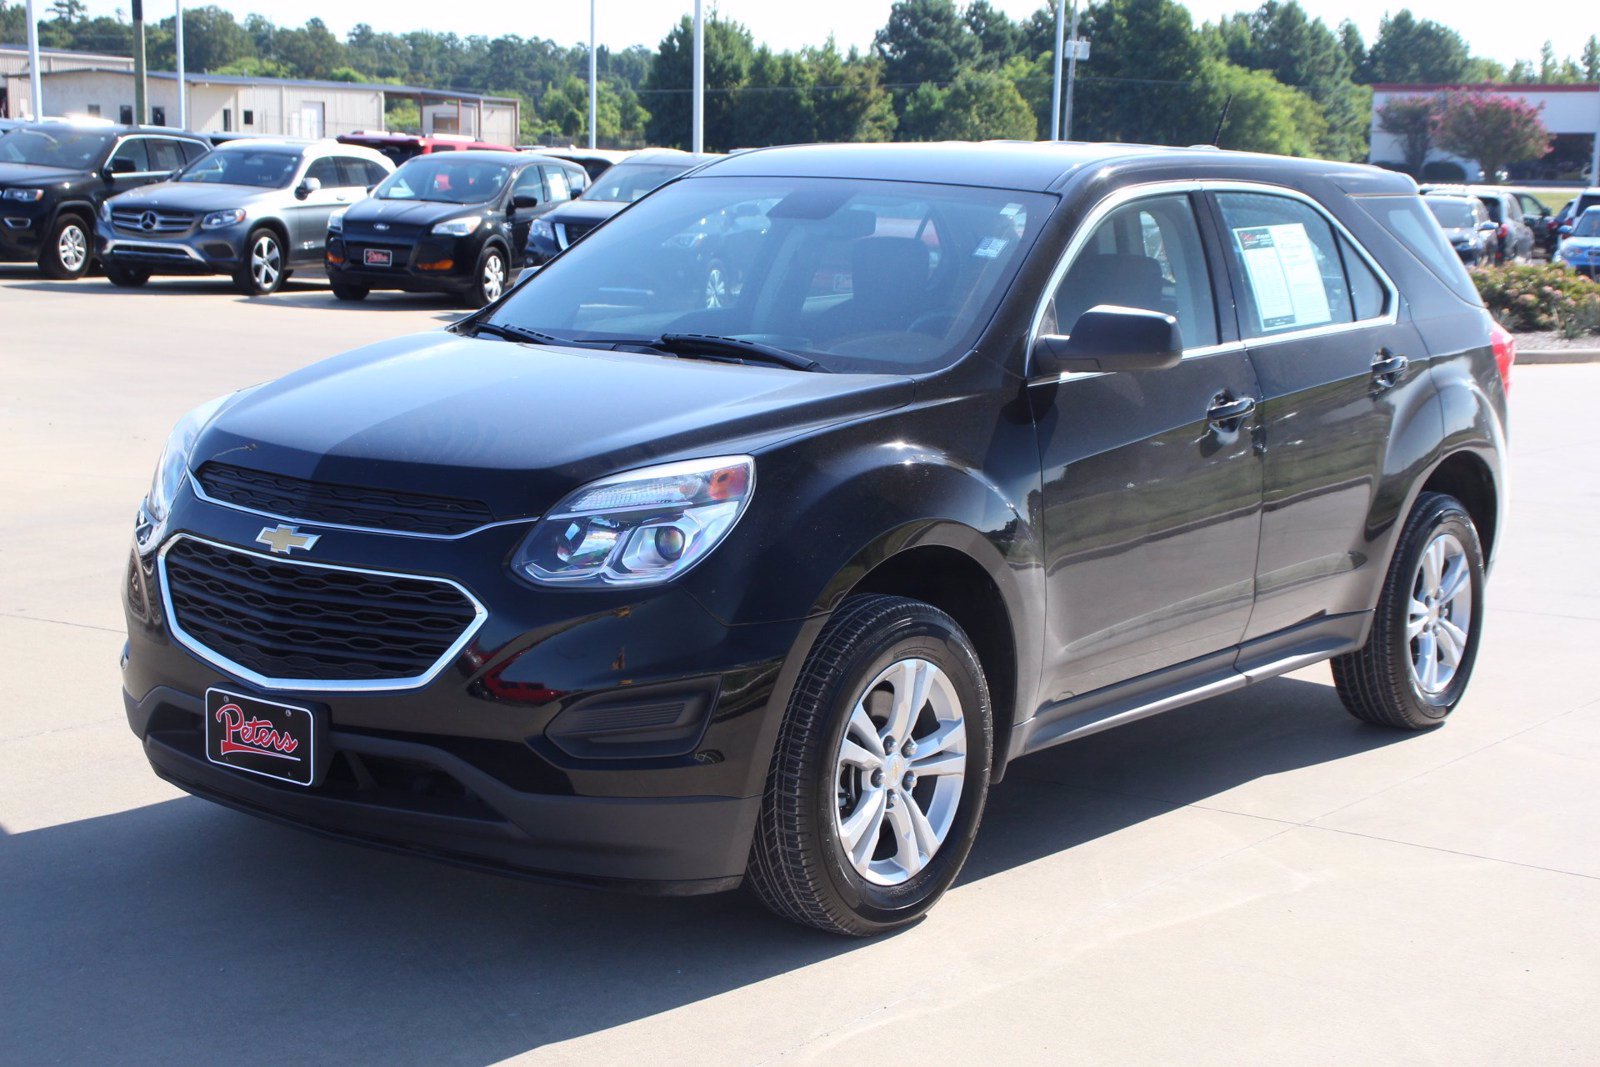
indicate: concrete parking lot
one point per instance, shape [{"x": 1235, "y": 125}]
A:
[{"x": 1256, "y": 879}]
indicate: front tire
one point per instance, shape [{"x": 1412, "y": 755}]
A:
[
  {"x": 65, "y": 253},
  {"x": 262, "y": 271},
  {"x": 489, "y": 281},
  {"x": 350, "y": 293},
  {"x": 880, "y": 773},
  {"x": 1417, "y": 661},
  {"x": 124, "y": 277}
]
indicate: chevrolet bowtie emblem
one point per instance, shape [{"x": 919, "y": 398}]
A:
[{"x": 285, "y": 539}]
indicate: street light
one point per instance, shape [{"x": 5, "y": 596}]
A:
[
  {"x": 594, "y": 92},
  {"x": 698, "y": 140},
  {"x": 183, "y": 94}
]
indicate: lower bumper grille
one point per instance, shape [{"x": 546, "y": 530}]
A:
[{"x": 295, "y": 625}]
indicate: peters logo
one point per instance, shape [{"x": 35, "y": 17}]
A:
[{"x": 255, "y": 736}]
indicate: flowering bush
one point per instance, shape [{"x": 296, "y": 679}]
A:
[{"x": 1541, "y": 297}]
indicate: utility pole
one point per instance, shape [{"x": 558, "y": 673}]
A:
[
  {"x": 594, "y": 91},
  {"x": 140, "y": 115},
  {"x": 183, "y": 85},
  {"x": 698, "y": 139},
  {"x": 35, "y": 82},
  {"x": 1055, "y": 96},
  {"x": 1072, "y": 72}
]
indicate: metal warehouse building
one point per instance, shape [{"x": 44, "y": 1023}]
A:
[{"x": 288, "y": 107}]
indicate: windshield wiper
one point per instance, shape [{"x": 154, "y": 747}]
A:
[
  {"x": 507, "y": 332},
  {"x": 706, "y": 344}
]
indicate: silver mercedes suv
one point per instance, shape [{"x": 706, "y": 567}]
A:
[{"x": 254, "y": 209}]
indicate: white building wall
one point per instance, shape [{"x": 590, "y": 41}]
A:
[
  {"x": 1564, "y": 112},
  {"x": 87, "y": 92}
]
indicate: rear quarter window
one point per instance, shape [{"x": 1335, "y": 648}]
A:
[{"x": 1415, "y": 227}]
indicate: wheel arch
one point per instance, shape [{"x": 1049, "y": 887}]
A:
[{"x": 1465, "y": 476}]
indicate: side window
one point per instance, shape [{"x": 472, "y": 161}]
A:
[
  {"x": 1288, "y": 261},
  {"x": 558, "y": 184},
  {"x": 165, "y": 154},
  {"x": 352, "y": 172},
  {"x": 1367, "y": 294},
  {"x": 375, "y": 173},
  {"x": 1414, "y": 227},
  {"x": 529, "y": 183},
  {"x": 325, "y": 170},
  {"x": 579, "y": 179},
  {"x": 193, "y": 150},
  {"x": 1146, "y": 255},
  {"x": 130, "y": 157}
]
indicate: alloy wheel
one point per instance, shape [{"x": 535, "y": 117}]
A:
[
  {"x": 899, "y": 771},
  {"x": 494, "y": 276},
  {"x": 1439, "y": 616},
  {"x": 266, "y": 262},
  {"x": 72, "y": 247},
  {"x": 716, "y": 289}
]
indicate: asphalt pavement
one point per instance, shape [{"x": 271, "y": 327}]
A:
[{"x": 1255, "y": 879}]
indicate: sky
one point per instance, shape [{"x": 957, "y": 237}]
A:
[{"x": 787, "y": 25}]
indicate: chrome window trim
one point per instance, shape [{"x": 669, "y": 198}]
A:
[
  {"x": 315, "y": 685},
  {"x": 1127, "y": 194},
  {"x": 151, "y": 137},
  {"x": 200, "y": 493}
]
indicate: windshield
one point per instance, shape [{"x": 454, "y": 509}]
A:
[
  {"x": 1452, "y": 214},
  {"x": 65, "y": 148},
  {"x": 868, "y": 277},
  {"x": 627, "y": 182},
  {"x": 446, "y": 180},
  {"x": 265, "y": 169},
  {"x": 1588, "y": 224}
]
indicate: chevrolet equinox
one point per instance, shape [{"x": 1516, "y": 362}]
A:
[{"x": 993, "y": 446}]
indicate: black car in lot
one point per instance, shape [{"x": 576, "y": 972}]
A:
[
  {"x": 1467, "y": 226},
  {"x": 55, "y": 175},
  {"x": 616, "y": 188},
  {"x": 996, "y": 446},
  {"x": 447, "y": 223}
]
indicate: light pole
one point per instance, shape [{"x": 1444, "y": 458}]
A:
[
  {"x": 1055, "y": 97},
  {"x": 594, "y": 91},
  {"x": 183, "y": 87},
  {"x": 1072, "y": 73},
  {"x": 698, "y": 138},
  {"x": 35, "y": 82},
  {"x": 140, "y": 114}
]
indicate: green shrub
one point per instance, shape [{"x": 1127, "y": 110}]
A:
[{"x": 1541, "y": 297}]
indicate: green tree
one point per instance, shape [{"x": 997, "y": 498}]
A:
[
  {"x": 1591, "y": 59},
  {"x": 1263, "y": 115},
  {"x": 925, "y": 41},
  {"x": 1409, "y": 50},
  {"x": 212, "y": 39},
  {"x": 68, "y": 11},
  {"x": 669, "y": 87},
  {"x": 1411, "y": 120},
  {"x": 1355, "y": 49},
  {"x": 1148, "y": 82},
  {"x": 923, "y": 115},
  {"x": 311, "y": 52},
  {"x": 852, "y": 104},
  {"x": 1494, "y": 129},
  {"x": 981, "y": 105},
  {"x": 998, "y": 36}
]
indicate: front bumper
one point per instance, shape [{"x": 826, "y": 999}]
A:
[
  {"x": 344, "y": 263},
  {"x": 22, "y": 231},
  {"x": 219, "y": 251},
  {"x": 480, "y": 765}
]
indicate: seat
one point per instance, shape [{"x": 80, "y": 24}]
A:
[
  {"x": 888, "y": 287},
  {"x": 1116, "y": 278}
]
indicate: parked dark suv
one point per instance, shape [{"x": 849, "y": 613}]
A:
[
  {"x": 453, "y": 222},
  {"x": 996, "y": 446},
  {"x": 55, "y": 175}
]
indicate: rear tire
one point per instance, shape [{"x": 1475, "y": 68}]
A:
[
  {"x": 67, "y": 249},
  {"x": 262, "y": 271},
  {"x": 126, "y": 277},
  {"x": 861, "y": 831},
  {"x": 351, "y": 293},
  {"x": 1418, "y": 659}
]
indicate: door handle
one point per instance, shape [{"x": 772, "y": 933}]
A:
[
  {"x": 1223, "y": 410},
  {"x": 1387, "y": 368}
]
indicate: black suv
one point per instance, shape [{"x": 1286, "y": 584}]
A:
[
  {"x": 55, "y": 175},
  {"x": 449, "y": 222},
  {"x": 995, "y": 447}
]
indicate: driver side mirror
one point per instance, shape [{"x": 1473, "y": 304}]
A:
[
  {"x": 1487, "y": 226},
  {"x": 525, "y": 200},
  {"x": 1565, "y": 231},
  {"x": 116, "y": 167},
  {"x": 306, "y": 187},
  {"x": 1106, "y": 339}
]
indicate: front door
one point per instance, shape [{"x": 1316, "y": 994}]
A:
[
  {"x": 1152, "y": 484},
  {"x": 308, "y": 218},
  {"x": 1336, "y": 360}
]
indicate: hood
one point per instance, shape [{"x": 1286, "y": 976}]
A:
[
  {"x": 595, "y": 211},
  {"x": 27, "y": 174},
  {"x": 519, "y": 426},
  {"x": 407, "y": 216},
  {"x": 195, "y": 196}
]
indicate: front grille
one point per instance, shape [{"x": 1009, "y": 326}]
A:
[
  {"x": 295, "y": 622},
  {"x": 137, "y": 220},
  {"x": 572, "y": 232},
  {"x": 341, "y": 505}
]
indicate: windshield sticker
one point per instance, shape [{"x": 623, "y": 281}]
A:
[
  {"x": 990, "y": 247},
  {"x": 1284, "y": 276}
]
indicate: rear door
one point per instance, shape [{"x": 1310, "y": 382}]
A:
[
  {"x": 1152, "y": 497},
  {"x": 1337, "y": 360}
]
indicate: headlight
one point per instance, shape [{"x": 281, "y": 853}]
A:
[
  {"x": 336, "y": 221},
  {"x": 458, "y": 227},
  {"x": 105, "y": 211},
  {"x": 542, "y": 230},
  {"x": 218, "y": 219},
  {"x": 27, "y": 196},
  {"x": 641, "y": 528},
  {"x": 171, "y": 470}
]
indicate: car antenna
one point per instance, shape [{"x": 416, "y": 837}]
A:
[{"x": 1216, "y": 138}]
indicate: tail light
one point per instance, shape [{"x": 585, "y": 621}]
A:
[
  {"x": 1504, "y": 230},
  {"x": 1505, "y": 351}
]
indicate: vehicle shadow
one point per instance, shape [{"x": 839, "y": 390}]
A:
[{"x": 176, "y": 931}]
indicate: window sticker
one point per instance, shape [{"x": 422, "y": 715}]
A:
[{"x": 1282, "y": 269}]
